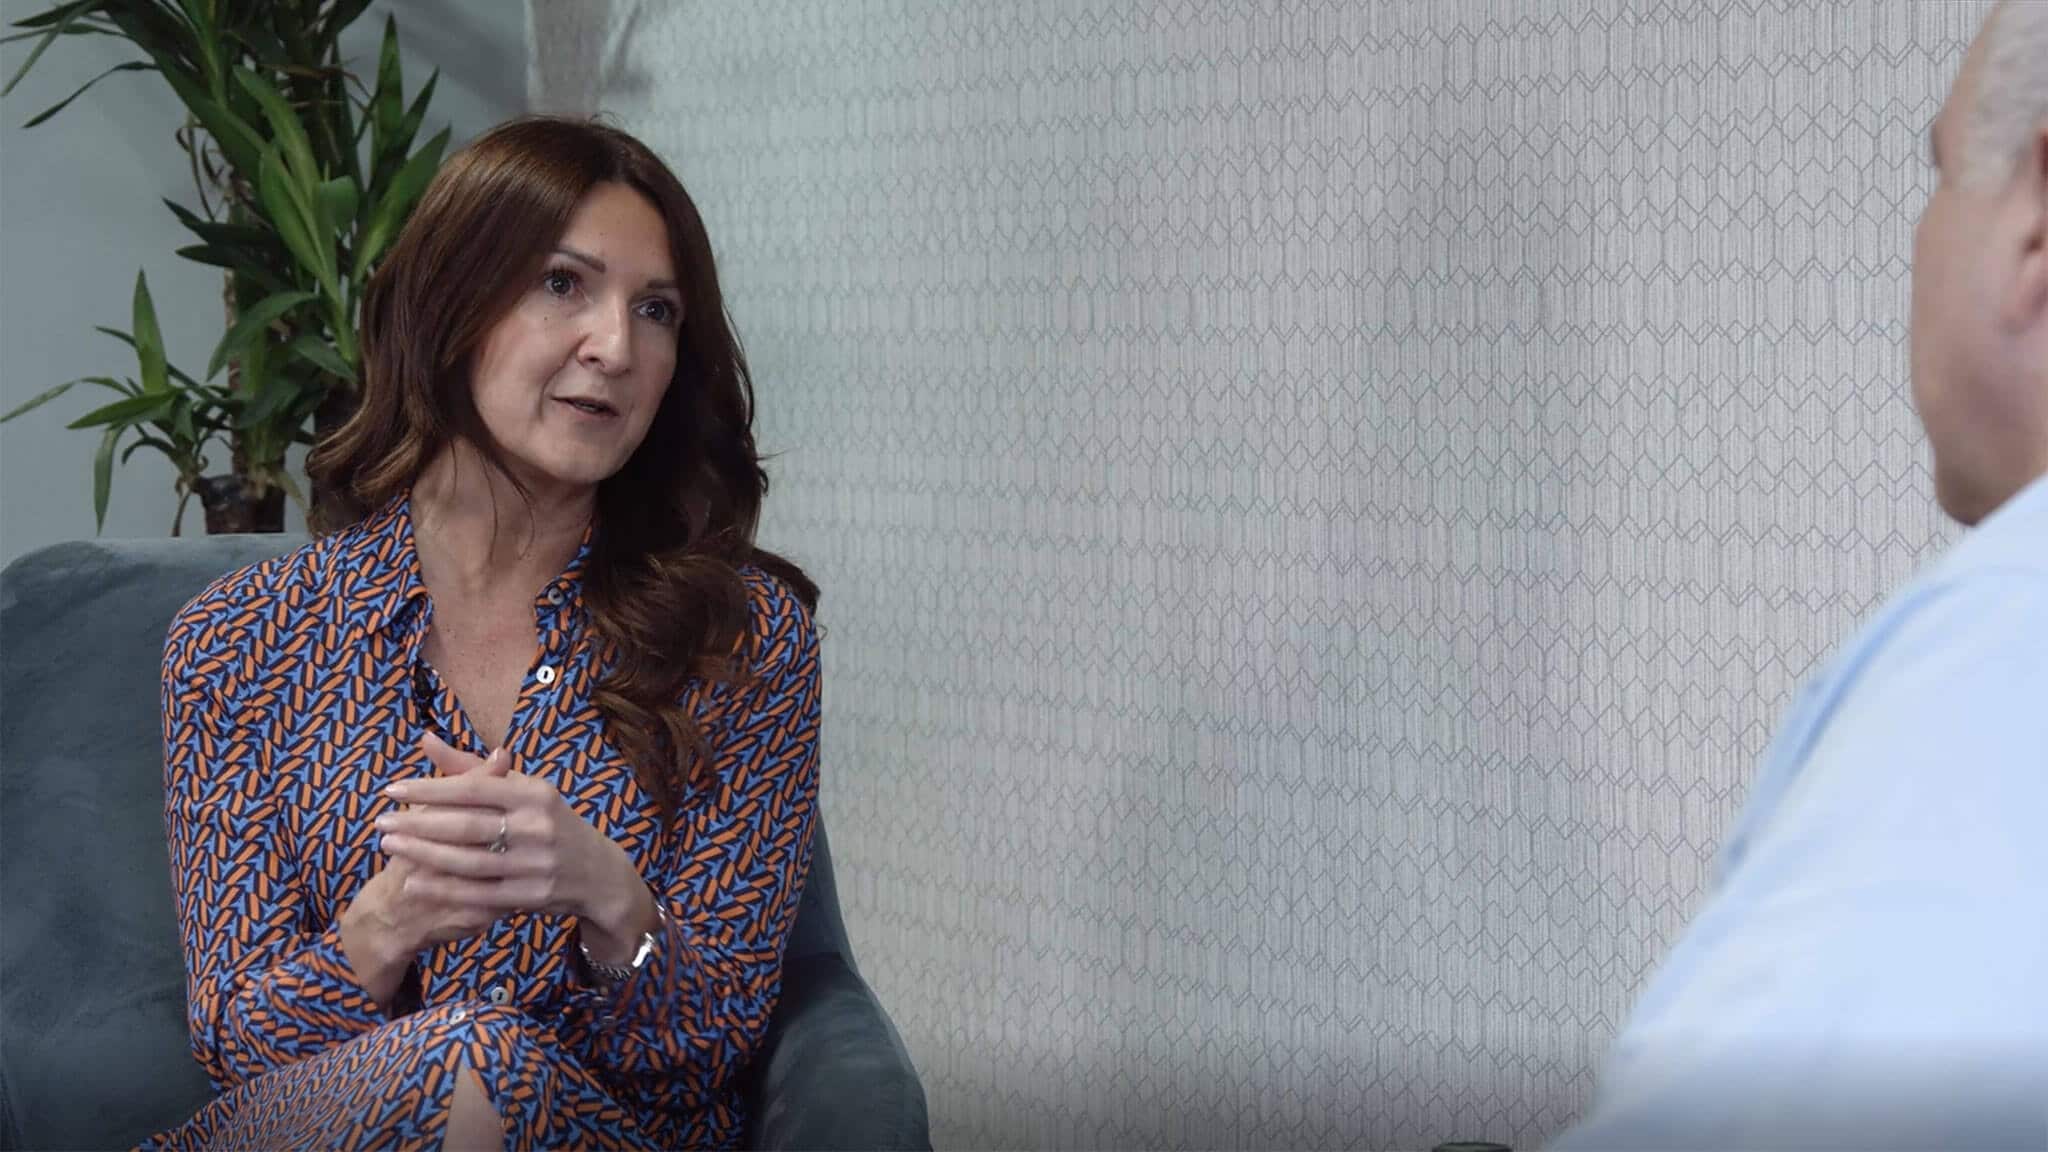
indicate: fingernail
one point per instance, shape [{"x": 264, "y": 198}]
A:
[
  {"x": 390, "y": 841},
  {"x": 396, "y": 791},
  {"x": 385, "y": 821}
]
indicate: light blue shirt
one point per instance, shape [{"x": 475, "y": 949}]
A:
[{"x": 1872, "y": 969}]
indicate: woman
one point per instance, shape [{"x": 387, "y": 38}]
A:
[{"x": 490, "y": 810}]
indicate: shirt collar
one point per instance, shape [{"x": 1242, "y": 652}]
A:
[
  {"x": 560, "y": 604},
  {"x": 378, "y": 571}
]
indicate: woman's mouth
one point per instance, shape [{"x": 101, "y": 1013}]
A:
[{"x": 588, "y": 407}]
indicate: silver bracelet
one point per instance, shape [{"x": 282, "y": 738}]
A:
[{"x": 613, "y": 975}]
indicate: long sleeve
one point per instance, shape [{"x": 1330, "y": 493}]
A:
[
  {"x": 700, "y": 1004},
  {"x": 261, "y": 990}
]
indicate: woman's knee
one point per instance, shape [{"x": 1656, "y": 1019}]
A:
[{"x": 474, "y": 1122}]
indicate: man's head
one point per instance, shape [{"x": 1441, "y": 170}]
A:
[{"x": 1980, "y": 271}]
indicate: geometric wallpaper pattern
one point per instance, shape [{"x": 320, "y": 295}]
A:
[{"x": 1319, "y": 505}]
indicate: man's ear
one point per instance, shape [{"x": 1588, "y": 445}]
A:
[{"x": 2030, "y": 188}]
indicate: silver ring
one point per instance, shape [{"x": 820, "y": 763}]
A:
[{"x": 499, "y": 844}]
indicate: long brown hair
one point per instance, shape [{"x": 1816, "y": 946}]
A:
[{"x": 676, "y": 523}]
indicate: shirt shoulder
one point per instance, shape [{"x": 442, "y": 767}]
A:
[
  {"x": 2014, "y": 538},
  {"x": 1955, "y": 631},
  {"x": 1872, "y": 900},
  {"x": 782, "y": 636},
  {"x": 1945, "y": 702},
  {"x": 252, "y": 609}
]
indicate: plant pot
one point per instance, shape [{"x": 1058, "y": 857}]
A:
[{"x": 230, "y": 510}]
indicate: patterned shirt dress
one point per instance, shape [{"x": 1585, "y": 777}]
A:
[{"x": 293, "y": 692}]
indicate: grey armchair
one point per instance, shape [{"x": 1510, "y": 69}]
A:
[{"x": 93, "y": 1050}]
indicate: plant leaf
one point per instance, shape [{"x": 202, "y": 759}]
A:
[
  {"x": 217, "y": 232},
  {"x": 251, "y": 325},
  {"x": 339, "y": 197},
  {"x": 343, "y": 14},
  {"x": 181, "y": 422},
  {"x": 39, "y": 401},
  {"x": 344, "y": 327},
  {"x": 44, "y": 19},
  {"x": 204, "y": 38},
  {"x": 71, "y": 13},
  {"x": 415, "y": 116},
  {"x": 52, "y": 110},
  {"x": 238, "y": 142},
  {"x": 149, "y": 341},
  {"x": 291, "y": 222},
  {"x": 103, "y": 381},
  {"x": 387, "y": 103},
  {"x": 156, "y": 27},
  {"x": 82, "y": 28},
  {"x": 103, "y": 476},
  {"x": 286, "y": 129},
  {"x": 273, "y": 394},
  {"x": 144, "y": 440},
  {"x": 238, "y": 263},
  {"x": 391, "y": 211},
  {"x": 264, "y": 45},
  {"x": 128, "y": 410},
  {"x": 125, "y": 338},
  {"x": 322, "y": 355},
  {"x": 291, "y": 488}
]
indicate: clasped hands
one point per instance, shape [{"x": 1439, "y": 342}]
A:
[{"x": 444, "y": 880}]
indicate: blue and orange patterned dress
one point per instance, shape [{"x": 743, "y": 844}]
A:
[{"x": 294, "y": 691}]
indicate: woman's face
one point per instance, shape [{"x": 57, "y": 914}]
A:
[{"x": 569, "y": 380}]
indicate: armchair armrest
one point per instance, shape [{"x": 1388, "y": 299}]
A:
[{"x": 834, "y": 1073}]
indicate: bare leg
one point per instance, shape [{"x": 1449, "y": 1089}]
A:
[{"x": 473, "y": 1123}]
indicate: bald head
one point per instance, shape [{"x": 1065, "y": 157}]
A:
[{"x": 2009, "y": 100}]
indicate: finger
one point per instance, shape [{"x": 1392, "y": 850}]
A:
[
  {"x": 452, "y": 922},
  {"x": 447, "y": 759},
  {"x": 455, "y": 860},
  {"x": 447, "y": 825},
  {"x": 498, "y": 763},
  {"x": 469, "y": 790},
  {"x": 469, "y": 894}
]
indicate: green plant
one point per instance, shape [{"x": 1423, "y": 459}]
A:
[
  {"x": 167, "y": 411},
  {"x": 304, "y": 176}
]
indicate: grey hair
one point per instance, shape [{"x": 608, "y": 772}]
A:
[{"x": 2011, "y": 101}]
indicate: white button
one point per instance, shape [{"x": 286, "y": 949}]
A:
[
  {"x": 555, "y": 596},
  {"x": 500, "y": 994},
  {"x": 546, "y": 674},
  {"x": 459, "y": 1015}
]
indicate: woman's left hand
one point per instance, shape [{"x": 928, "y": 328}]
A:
[{"x": 552, "y": 860}]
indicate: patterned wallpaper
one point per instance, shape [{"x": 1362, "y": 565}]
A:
[{"x": 1320, "y": 504}]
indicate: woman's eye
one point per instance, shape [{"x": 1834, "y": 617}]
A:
[
  {"x": 559, "y": 282},
  {"x": 660, "y": 311}
]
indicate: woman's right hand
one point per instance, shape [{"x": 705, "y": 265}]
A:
[{"x": 387, "y": 925}]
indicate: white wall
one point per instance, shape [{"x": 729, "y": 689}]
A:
[
  {"x": 1318, "y": 505},
  {"x": 80, "y": 212}
]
